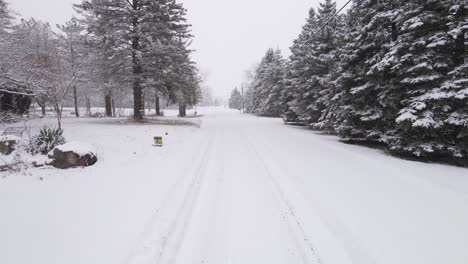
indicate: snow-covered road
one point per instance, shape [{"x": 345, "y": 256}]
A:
[{"x": 239, "y": 190}]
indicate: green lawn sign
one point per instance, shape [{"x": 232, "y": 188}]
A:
[{"x": 158, "y": 141}]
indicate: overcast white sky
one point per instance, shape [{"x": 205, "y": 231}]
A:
[{"x": 230, "y": 36}]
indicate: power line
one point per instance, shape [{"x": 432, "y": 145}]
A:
[{"x": 330, "y": 19}]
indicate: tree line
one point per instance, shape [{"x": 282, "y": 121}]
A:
[
  {"x": 122, "y": 50},
  {"x": 391, "y": 73}
]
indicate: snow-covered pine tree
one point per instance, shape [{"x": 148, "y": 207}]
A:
[
  {"x": 169, "y": 56},
  {"x": 116, "y": 26},
  {"x": 318, "y": 43},
  {"x": 235, "y": 101},
  {"x": 107, "y": 71},
  {"x": 287, "y": 96},
  {"x": 330, "y": 96},
  {"x": 134, "y": 27},
  {"x": 271, "y": 105},
  {"x": 249, "y": 98},
  {"x": 268, "y": 85},
  {"x": 361, "y": 114},
  {"x": 191, "y": 85},
  {"x": 179, "y": 80},
  {"x": 259, "y": 91},
  {"x": 298, "y": 71},
  {"x": 430, "y": 60}
]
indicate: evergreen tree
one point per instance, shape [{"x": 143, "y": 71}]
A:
[
  {"x": 360, "y": 115},
  {"x": 390, "y": 72},
  {"x": 298, "y": 70},
  {"x": 275, "y": 73},
  {"x": 189, "y": 85},
  {"x": 431, "y": 48},
  {"x": 330, "y": 95},
  {"x": 268, "y": 85},
  {"x": 142, "y": 29},
  {"x": 312, "y": 61},
  {"x": 235, "y": 101},
  {"x": 249, "y": 98}
]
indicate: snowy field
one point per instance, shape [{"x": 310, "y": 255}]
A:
[{"x": 237, "y": 190}]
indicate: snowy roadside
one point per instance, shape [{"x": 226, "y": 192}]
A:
[{"x": 92, "y": 215}]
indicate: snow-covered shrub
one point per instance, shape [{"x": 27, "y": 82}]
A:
[
  {"x": 47, "y": 139},
  {"x": 20, "y": 159}
]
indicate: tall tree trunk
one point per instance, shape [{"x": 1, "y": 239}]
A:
[
  {"x": 137, "y": 99},
  {"x": 88, "y": 106},
  {"x": 114, "y": 113},
  {"x": 137, "y": 68},
  {"x": 42, "y": 104},
  {"x": 108, "y": 102},
  {"x": 75, "y": 99},
  {"x": 58, "y": 111},
  {"x": 143, "y": 106},
  {"x": 182, "y": 109},
  {"x": 157, "y": 105},
  {"x": 148, "y": 105},
  {"x": 43, "y": 108}
]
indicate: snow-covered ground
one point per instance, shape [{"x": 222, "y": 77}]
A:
[{"x": 238, "y": 190}]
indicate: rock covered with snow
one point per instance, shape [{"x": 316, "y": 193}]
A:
[
  {"x": 8, "y": 144},
  {"x": 72, "y": 155}
]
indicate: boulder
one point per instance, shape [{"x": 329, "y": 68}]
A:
[
  {"x": 72, "y": 155},
  {"x": 8, "y": 144}
]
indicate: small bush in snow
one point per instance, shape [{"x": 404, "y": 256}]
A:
[{"x": 47, "y": 139}]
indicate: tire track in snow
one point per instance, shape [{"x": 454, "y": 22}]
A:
[
  {"x": 214, "y": 217},
  {"x": 154, "y": 238},
  {"x": 174, "y": 238},
  {"x": 303, "y": 243},
  {"x": 355, "y": 250}
]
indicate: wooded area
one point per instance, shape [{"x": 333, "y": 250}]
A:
[
  {"x": 388, "y": 73},
  {"x": 117, "y": 50}
]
